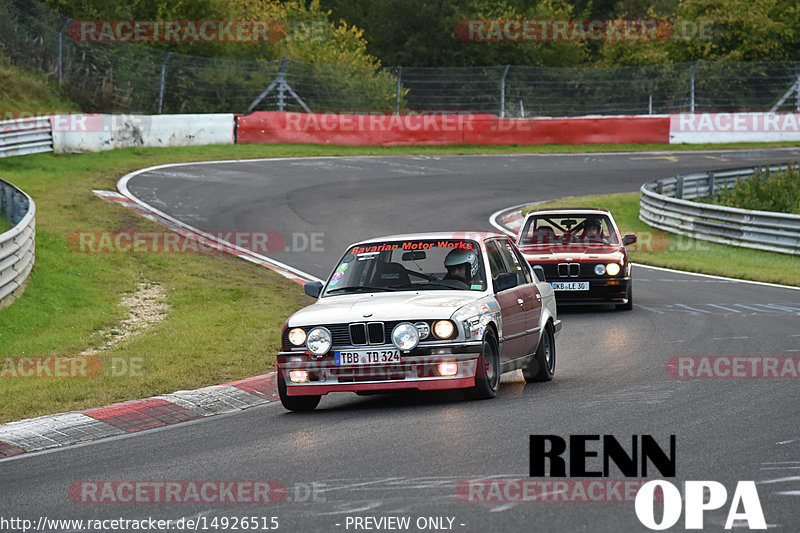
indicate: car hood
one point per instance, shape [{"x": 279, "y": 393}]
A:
[
  {"x": 383, "y": 306},
  {"x": 575, "y": 252}
]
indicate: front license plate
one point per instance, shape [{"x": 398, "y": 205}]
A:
[
  {"x": 366, "y": 357},
  {"x": 570, "y": 285}
]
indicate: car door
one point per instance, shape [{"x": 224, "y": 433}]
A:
[
  {"x": 528, "y": 291},
  {"x": 513, "y": 338}
]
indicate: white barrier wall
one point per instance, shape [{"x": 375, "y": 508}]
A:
[
  {"x": 694, "y": 128},
  {"x": 97, "y": 132}
]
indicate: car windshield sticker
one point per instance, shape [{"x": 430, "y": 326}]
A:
[{"x": 475, "y": 287}]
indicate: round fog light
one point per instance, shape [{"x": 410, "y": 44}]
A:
[
  {"x": 319, "y": 341},
  {"x": 448, "y": 369},
  {"x": 612, "y": 269},
  {"x": 600, "y": 270},
  {"x": 405, "y": 336}
]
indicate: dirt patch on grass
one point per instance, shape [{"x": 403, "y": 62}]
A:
[{"x": 147, "y": 307}]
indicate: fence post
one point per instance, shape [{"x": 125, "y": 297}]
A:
[
  {"x": 163, "y": 80},
  {"x": 282, "y": 84},
  {"x": 503, "y": 92},
  {"x": 797, "y": 97},
  {"x": 691, "y": 82},
  {"x": 60, "y": 48},
  {"x": 679, "y": 188},
  {"x": 397, "y": 95}
]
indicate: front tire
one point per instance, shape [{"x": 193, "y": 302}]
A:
[
  {"x": 629, "y": 305},
  {"x": 295, "y": 403},
  {"x": 542, "y": 367},
  {"x": 487, "y": 374}
]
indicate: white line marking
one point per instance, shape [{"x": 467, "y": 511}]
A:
[
  {"x": 712, "y": 276},
  {"x": 122, "y": 186},
  {"x": 723, "y": 307},
  {"x": 780, "y": 480},
  {"x": 693, "y": 309}
]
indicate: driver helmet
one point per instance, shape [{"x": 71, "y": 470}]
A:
[
  {"x": 593, "y": 224},
  {"x": 459, "y": 257}
]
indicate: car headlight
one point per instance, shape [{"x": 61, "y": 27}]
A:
[
  {"x": 600, "y": 270},
  {"x": 443, "y": 329},
  {"x": 297, "y": 337},
  {"x": 612, "y": 269},
  {"x": 319, "y": 341},
  {"x": 405, "y": 336}
]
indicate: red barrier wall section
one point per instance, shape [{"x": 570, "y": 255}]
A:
[{"x": 393, "y": 130}]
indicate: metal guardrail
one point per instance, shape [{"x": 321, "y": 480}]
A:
[
  {"x": 17, "y": 245},
  {"x": 26, "y": 136},
  {"x": 665, "y": 205}
]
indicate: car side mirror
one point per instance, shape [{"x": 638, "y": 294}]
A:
[
  {"x": 313, "y": 288},
  {"x": 628, "y": 239},
  {"x": 504, "y": 281},
  {"x": 539, "y": 271}
]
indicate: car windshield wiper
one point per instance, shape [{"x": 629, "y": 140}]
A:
[
  {"x": 360, "y": 288},
  {"x": 443, "y": 285}
]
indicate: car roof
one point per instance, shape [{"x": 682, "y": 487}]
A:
[
  {"x": 570, "y": 210},
  {"x": 474, "y": 235}
]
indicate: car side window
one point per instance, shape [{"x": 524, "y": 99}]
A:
[
  {"x": 514, "y": 265},
  {"x": 525, "y": 266},
  {"x": 495, "y": 259}
]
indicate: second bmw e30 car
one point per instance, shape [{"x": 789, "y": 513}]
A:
[
  {"x": 423, "y": 311},
  {"x": 582, "y": 253}
]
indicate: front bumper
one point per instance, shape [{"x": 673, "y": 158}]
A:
[
  {"x": 416, "y": 370},
  {"x": 601, "y": 291}
]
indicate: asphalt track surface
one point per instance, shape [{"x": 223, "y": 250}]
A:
[{"x": 404, "y": 455}]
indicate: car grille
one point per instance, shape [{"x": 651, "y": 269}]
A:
[
  {"x": 369, "y": 333},
  {"x": 571, "y": 270},
  {"x": 359, "y": 333}
]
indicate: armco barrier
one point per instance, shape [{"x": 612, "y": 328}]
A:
[
  {"x": 26, "y": 136},
  {"x": 17, "y": 245},
  {"x": 664, "y": 205},
  {"x": 389, "y": 130}
]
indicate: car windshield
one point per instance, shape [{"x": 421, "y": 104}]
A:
[
  {"x": 419, "y": 264},
  {"x": 565, "y": 229}
]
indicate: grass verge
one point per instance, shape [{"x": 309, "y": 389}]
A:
[
  {"x": 225, "y": 314},
  {"x": 658, "y": 248}
]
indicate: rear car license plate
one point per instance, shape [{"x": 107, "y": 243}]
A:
[
  {"x": 366, "y": 357},
  {"x": 570, "y": 285}
]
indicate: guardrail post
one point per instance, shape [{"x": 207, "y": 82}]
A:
[
  {"x": 679, "y": 188},
  {"x": 9, "y": 205},
  {"x": 711, "y": 185},
  {"x": 659, "y": 187}
]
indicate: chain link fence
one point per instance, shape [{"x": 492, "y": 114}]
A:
[{"x": 127, "y": 77}]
